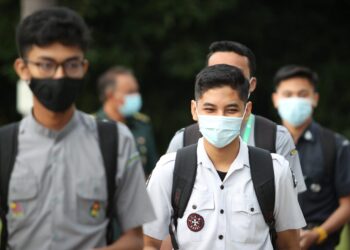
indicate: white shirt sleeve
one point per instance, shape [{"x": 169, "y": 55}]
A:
[
  {"x": 133, "y": 206},
  {"x": 288, "y": 214},
  {"x": 285, "y": 146},
  {"x": 159, "y": 189},
  {"x": 176, "y": 142}
]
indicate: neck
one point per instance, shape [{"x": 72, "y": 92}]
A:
[
  {"x": 112, "y": 113},
  {"x": 222, "y": 158},
  {"x": 296, "y": 132},
  {"x": 49, "y": 119}
]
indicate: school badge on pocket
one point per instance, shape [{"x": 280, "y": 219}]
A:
[
  {"x": 16, "y": 209},
  {"x": 95, "y": 209},
  {"x": 195, "y": 222}
]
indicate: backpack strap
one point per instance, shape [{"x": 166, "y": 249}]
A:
[
  {"x": 184, "y": 176},
  {"x": 329, "y": 149},
  {"x": 261, "y": 168},
  {"x": 191, "y": 134},
  {"x": 108, "y": 140},
  {"x": 8, "y": 153},
  {"x": 265, "y": 133}
]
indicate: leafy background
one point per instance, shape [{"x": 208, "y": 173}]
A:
[{"x": 166, "y": 42}]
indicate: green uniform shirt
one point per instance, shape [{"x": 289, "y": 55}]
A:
[{"x": 141, "y": 128}]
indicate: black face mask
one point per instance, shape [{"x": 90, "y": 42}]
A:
[{"x": 56, "y": 94}]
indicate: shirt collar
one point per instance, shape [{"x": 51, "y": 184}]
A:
[
  {"x": 32, "y": 125},
  {"x": 241, "y": 161}
]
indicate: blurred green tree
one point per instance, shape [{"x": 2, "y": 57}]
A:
[{"x": 166, "y": 42}]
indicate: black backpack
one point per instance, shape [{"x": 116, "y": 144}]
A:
[
  {"x": 108, "y": 141},
  {"x": 265, "y": 140},
  {"x": 185, "y": 171}
]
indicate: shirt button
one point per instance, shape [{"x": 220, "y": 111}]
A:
[
  {"x": 194, "y": 207},
  {"x": 221, "y": 211},
  {"x": 221, "y": 237},
  {"x": 222, "y": 187},
  {"x": 252, "y": 209}
]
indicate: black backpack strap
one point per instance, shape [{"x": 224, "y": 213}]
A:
[
  {"x": 191, "y": 134},
  {"x": 265, "y": 133},
  {"x": 8, "y": 153},
  {"x": 329, "y": 149},
  {"x": 185, "y": 172},
  {"x": 108, "y": 139},
  {"x": 261, "y": 168}
]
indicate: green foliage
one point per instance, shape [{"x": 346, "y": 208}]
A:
[
  {"x": 9, "y": 17},
  {"x": 166, "y": 43}
]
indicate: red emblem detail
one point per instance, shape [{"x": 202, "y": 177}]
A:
[{"x": 195, "y": 222}]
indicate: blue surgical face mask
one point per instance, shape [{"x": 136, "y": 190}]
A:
[
  {"x": 219, "y": 130},
  {"x": 132, "y": 104},
  {"x": 295, "y": 110}
]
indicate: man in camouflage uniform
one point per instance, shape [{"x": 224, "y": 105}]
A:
[{"x": 119, "y": 93}]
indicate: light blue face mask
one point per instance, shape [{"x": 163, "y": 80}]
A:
[
  {"x": 295, "y": 110},
  {"x": 132, "y": 104},
  {"x": 219, "y": 130}
]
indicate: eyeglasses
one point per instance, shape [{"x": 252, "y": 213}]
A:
[{"x": 71, "y": 68}]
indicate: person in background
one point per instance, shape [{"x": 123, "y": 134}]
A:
[
  {"x": 324, "y": 157},
  {"x": 121, "y": 101},
  {"x": 57, "y": 192}
]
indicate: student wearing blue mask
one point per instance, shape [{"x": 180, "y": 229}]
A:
[
  {"x": 223, "y": 210},
  {"x": 119, "y": 93},
  {"x": 324, "y": 157}
]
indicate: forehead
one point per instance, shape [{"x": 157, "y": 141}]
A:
[
  {"x": 55, "y": 51},
  {"x": 220, "y": 96},
  {"x": 126, "y": 82},
  {"x": 231, "y": 58},
  {"x": 295, "y": 84}
]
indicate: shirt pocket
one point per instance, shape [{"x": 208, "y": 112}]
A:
[
  {"x": 23, "y": 200},
  {"x": 192, "y": 227},
  {"x": 92, "y": 201},
  {"x": 247, "y": 221}
]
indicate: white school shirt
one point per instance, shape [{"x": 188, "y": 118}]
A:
[{"x": 228, "y": 218}]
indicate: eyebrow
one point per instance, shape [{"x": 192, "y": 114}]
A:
[
  {"x": 232, "y": 105},
  {"x": 207, "y": 104},
  {"x": 51, "y": 59}
]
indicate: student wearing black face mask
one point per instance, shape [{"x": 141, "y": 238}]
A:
[{"x": 59, "y": 191}]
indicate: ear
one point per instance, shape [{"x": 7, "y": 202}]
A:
[
  {"x": 194, "y": 110},
  {"x": 315, "y": 99},
  {"x": 86, "y": 65},
  {"x": 248, "y": 111},
  {"x": 252, "y": 84},
  {"x": 274, "y": 98},
  {"x": 21, "y": 69}
]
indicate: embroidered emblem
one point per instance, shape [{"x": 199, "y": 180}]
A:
[
  {"x": 293, "y": 152},
  {"x": 195, "y": 222},
  {"x": 308, "y": 135},
  {"x": 95, "y": 209},
  {"x": 17, "y": 209},
  {"x": 315, "y": 187}
]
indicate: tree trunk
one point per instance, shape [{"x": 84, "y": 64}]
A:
[{"x": 29, "y": 6}]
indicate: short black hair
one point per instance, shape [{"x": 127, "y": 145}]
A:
[
  {"x": 236, "y": 47},
  {"x": 221, "y": 75},
  {"x": 47, "y": 26},
  {"x": 106, "y": 81},
  {"x": 291, "y": 71}
]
